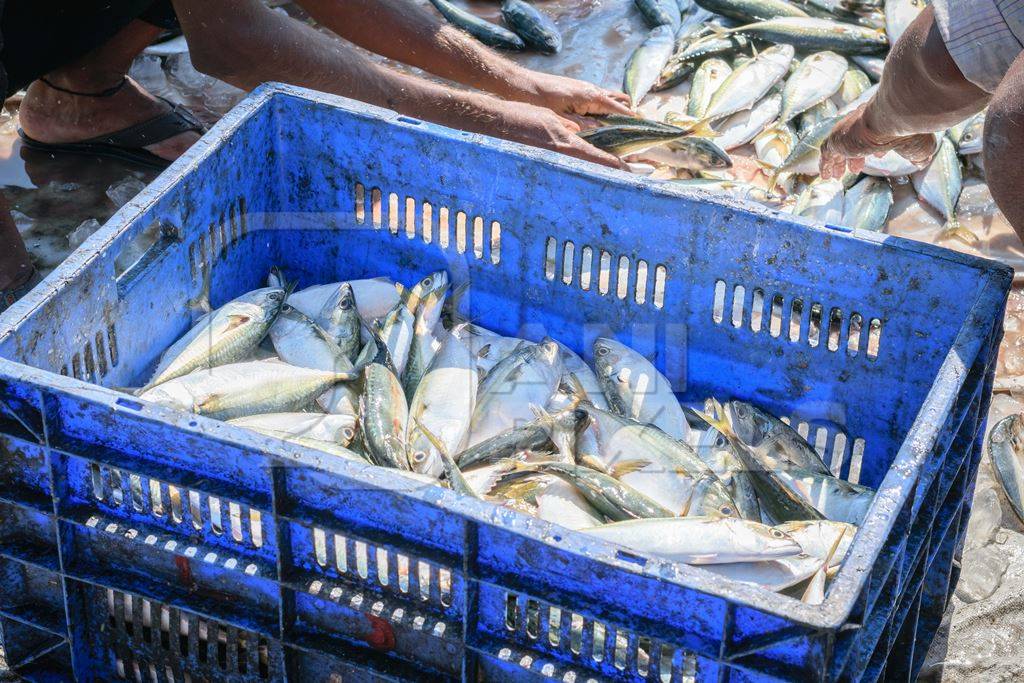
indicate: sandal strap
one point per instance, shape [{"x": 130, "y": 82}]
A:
[{"x": 174, "y": 122}]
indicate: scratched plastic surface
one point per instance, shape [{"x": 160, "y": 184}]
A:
[{"x": 146, "y": 544}]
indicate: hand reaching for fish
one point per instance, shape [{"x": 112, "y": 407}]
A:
[
  {"x": 541, "y": 127},
  {"x": 565, "y": 95},
  {"x": 852, "y": 140}
]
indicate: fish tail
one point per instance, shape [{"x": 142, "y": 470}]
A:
[
  {"x": 718, "y": 418},
  {"x": 703, "y": 129},
  {"x": 201, "y": 301},
  {"x": 954, "y": 230}
]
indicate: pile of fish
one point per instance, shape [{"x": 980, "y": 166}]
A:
[
  {"x": 753, "y": 88},
  {"x": 378, "y": 373}
]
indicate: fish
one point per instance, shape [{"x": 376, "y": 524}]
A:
[
  {"x": 299, "y": 341},
  {"x": 835, "y": 498},
  {"x": 899, "y": 14},
  {"x": 1005, "y": 445},
  {"x": 773, "y": 147},
  {"x": 453, "y": 476},
  {"x": 576, "y": 369},
  {"x": 622, "y": 140},
  {"x": 709, "y": 77},
  {"x": 384, "y": 413},
  {"x": 425, "y": 341},
  {"x": 559, "y": 502},
  {"x": 247, "y": 388},
  {"x": 773, "y": 574},
  {"x": 535, "y": 28},
  {"x": 332, "y": 447},
  {"x": 609, "y": 496},
  {"x": 750, "y": 82},
  {"x": 659, "y": 13},
  {"x": 526, "y": 378},
  {"x": 374, "y": 296},
  {"x": 443, "y": 402},
  {"x": 815, "y": 115},
  {"x": 339, "y": 317},
  {"x": 700, "y": 540},
  {"x": 397, "y": 328},
  {"x": 862, "y": 99},
  {"x": 816, "y": 79},
  {"x": 821, "y": 201},
  {"x": 715, "y": 448},
  {"x": 892, "y": 164},
  {"x": 855, "y": 82},
  {"x": 752, "y": 10},
  {"x": 744, "y": 126},
  {"x": 867, "y": 204},
  {"x": 682, "y": 62},
  {"x": 635, "y": 388},
  {"x": 487, "y": 33},
  {"x": 939, "y": 186},
  {"x": 339, "y": 429},
  {"x": 811, "y": 34},
  {"x": 488, "y": 348},
  {"x": 533, "y": 436},
  {"x": 646, "y": 63},
  {"x": 806, "y": 153},
  {"x": 769, "y": 437},
  {"x": 226, "y": 335},
  {"x": 692, "y": 153},
  {"x": 871, "y": 64},
  {"x": 969, "y": 135}
]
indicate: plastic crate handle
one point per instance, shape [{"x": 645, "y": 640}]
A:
[{"x": 142, "y": 253}]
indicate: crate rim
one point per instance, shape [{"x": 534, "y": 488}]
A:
[{"x": 899, "y": 481}]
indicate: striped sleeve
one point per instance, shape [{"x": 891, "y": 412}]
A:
[{"x": 982, "y": 36}]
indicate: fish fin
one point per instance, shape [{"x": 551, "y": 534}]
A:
[
  {"x": 718, "y": 418},
  {"x": 450, "y": 311},
  {"x": 235, "y": 321},
  {"x": 624, "y": 467},
  {"x": 521, "y": 488},
  {"x": 954, "y": 230},
  {"x": 594, "y": 463},
  {"x": 276, "y": 277},
  {"x": 200, "y": 304},
  {"x": 408, "y": 297},
  {"x": 545, "y": 418},
  {"x": 703, "y": 129},
  {"x": 720, "y": 31},
  {"x": 579, "y": 393},
  {"x": 207, "y": 402}
]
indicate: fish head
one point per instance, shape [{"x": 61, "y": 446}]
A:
[
  {"x": 750, "y": 424},
  {"x": 547, "y": 351},
  {"x": 426, "y": 461},
  {"x": 607, "y": 355},
  {"x": 269, "y": 299},
  {"x": 771, "y": 542},
  {"x": 433, "y": 282},
  {"x": 711, "y": 155},
  {"x": 346, "y": 298}
]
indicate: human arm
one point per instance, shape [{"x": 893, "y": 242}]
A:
[
  {"x": 922, "y": 91},
  {"x": 244, "y": 43},
  {"x": 418, "y": 36}
]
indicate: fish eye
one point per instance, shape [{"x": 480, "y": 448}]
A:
[
  {"x": 287, "y": 308},
  {"x": 726, "y": 510},
  {"x": 348, "y": 433},
  {"x": 778, "y": 534},
  {"x": 602, "y": 350},
  {"x": 427, "y": 280},
  {"x": 419, "y": 456},
  {"x": 275, "y": 296}
]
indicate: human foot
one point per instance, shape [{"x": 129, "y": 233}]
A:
[{"x": 52, "y": 116}]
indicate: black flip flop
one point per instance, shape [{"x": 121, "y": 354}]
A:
[
  {"x": 127, "y": 144},
  {"x": 9, "y": 296}
]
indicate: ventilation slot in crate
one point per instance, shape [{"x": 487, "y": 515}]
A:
[
  {"x": 192, "y": 511},
  {"x": 433, "y": 224},
  {"x": 182, "y": 646},
  {"x": 834, "y": 447},
  {"x": 625, "y": 277},
  {"x": 215, "y": 241},
  {"x": 95, "y": 358},
  {"x": 363, "y": 562},
  {"x": 814, "y": 323},
  {"x": 588, "y": 641}
]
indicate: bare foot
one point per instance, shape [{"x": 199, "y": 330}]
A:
[{"x": 52, "y": 116}]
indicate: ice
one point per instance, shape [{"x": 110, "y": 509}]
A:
[
  {"x": 219, "y": 96},
  {"x": 148, "y": 71},
  {"x": 23, "y": 222},
  {"x": 186, "y": 76},
  {"x": 82, "y": 232},
  {"x": 982, "y": 571},
  {"x": 986, "y": 516},
  {"x": 124, "y": 190}
]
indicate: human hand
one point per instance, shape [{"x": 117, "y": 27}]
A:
[
  {"x": 852, "y": 139},
  {"x": 571, "y": 96},
  {"x": 540, "y": 127}
]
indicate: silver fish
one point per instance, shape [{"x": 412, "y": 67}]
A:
[
  {"x": 1005, "y": 446},
  {"x": 806, "y": 154},
  {"x": 812, "y": 34},
  {"x": 227, "y": 335},
  {"x": 561, "y": 503},
  {"x": 752, "y": 10},
  {"x": 836, "y": 499},
  {"x": 750, "y": 82},
  {"x": 241, "y": 389},
  {"x": 425, "y": 341},
  {"x": 773, "y": 575},
  {"x": 397, "y": 328},
  {"x": 484, "y": 31},
  {"x": 823, "y": 539},
  {"x": 816, "y": 79},
  {"x": 939, "y": 187},
  {"x": 635, "y": 388},
  {"x": 374, "y": 297},
  {"x": 692, "y": 153},
  {"x": 659, "y": 13},
  {"x": 872, "y": 65},
  {"x": 340, "y": 319},
  {"x": 533, "y": 26},
  {"x": 892, "y": 164},
  {"x": 855, "y": 82},
  {"x": 744, "y": 126},
  {"x": 646, "y": 63},
  {"x": 867, "y": 204},
  {"x": 821, "y": 201},
  {"x": 384, "y": 414},
  {"x": 339, "y": 429},
  {"x": 771, "y": 438},
  {"x": 700, "y": 540},
  {"x": 708, "y": 78},
  {"x": 969, "y": 135},
  {"x": 736, "y": 189}
]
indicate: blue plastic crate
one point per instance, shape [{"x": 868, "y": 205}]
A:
[{"x": 144, "y": 543}]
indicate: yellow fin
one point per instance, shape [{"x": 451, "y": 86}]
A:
[
  {"x": 624, "y": 467},
  {"x": 954, "y": 230}
]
